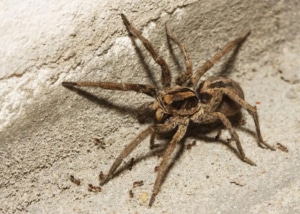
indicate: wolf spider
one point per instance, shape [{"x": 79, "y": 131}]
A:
[{"x": 214, "y": 99}]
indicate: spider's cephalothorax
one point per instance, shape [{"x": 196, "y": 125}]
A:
[{"x": 211, "y": 100}]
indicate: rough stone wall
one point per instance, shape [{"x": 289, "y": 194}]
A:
[{"x": 47, "y": 131}]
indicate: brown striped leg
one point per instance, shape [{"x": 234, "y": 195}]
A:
[
  {"x": 235, "y": 137},
  {"x": 188, "y": 64},
  {"x": 166, "y": 156},
  {"x": 140, "y": 88},
  {"x": 166, "y": 74},
  {"x": 251, "y": 109},
  {"x": 209, "y": 63},
  {"x": 128, "y": 149}
]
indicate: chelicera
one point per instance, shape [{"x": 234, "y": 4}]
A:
[{"x": 189, "y": 100}]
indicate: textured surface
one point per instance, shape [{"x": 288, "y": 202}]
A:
[{"x": 47, "y": 131}]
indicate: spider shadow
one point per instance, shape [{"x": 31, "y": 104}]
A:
[
  {"x": 103, "y": 102},
  {"x": 143, "y": 117},
  {"x": 160, "y": 148},
  {"x": 129, "y": 165},
  {"x": 197, "y": 132},
  {"x": 228, "y": 65},
  {"x": 142, "y": 59},
  {"x": 156, "y": 151},
  {"x": 173, "y": 55}
]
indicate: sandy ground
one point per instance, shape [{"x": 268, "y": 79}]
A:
[{"x": 47, "y": 131}]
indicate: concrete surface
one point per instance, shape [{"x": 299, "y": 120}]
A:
[{"x": 47, "y": 131}]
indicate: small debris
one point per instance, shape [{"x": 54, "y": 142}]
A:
[
  {"x": 282, "y": 147},
  {"x": 131, "y": 163},
  {"x": 138, "y": 184},
  {"x": 238, "y": 183},
  {"x": 101, "y": 176},
  {"x": 99, "y": 143},
  {"x": 189, "y": 146},
  {"x": 217, "y": 137},
  {"x": 144, "y": 197},
  {"x": 93, "y": 188},
  {"x": 74, "y": 180},
  {"x": 131, "y": 194}
]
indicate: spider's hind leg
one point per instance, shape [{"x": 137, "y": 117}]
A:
[
  {"x": 252, "y": 110},
  {"x": 166, "y": 157},
  {"x": 126, "y": 151},
  {"x": 131, "y": 146},
  {"x": 235, "y": 137},
  {"x": 254, "y": 114}
]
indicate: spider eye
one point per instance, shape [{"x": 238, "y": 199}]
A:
[{"x": 204, "y": 97}]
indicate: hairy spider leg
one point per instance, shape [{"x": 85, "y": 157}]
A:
[
  {"x": 220, "y": 92},
  {"x": 140, "y": 88},
  {"x": 209, "y": 63},
  {"x": 203, "y": 115},
  {"x": 126, "y": 151},
  {"x": 131, "y": 146},
  {"x": 183, "y": 77},
  {"x": 208, "y": 118},
  {"x": 166, "y": 74},
  {"x": 166, "y": 156},
  {"x": 234, "y": 135}
]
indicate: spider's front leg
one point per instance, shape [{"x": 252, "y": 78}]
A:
[
  {"x": 182, "y": 127},
  {"x": 140, "y": 88},
  {"x": 183, "y": 77},
  {"x": 166, "y": 74},
  {"x": 168, "y": 126},
  {"x": 128, "y": 149}
]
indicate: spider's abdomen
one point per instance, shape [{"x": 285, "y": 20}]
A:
[{"x": 210, "y": 88}]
